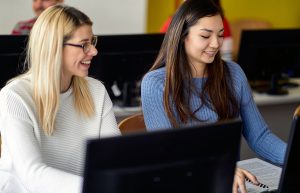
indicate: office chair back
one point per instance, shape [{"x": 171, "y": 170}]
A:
[
  {"x": 245, "y": 24},
  {"x": 297, "y": 111},
  {"x": 133, "y": 123}
]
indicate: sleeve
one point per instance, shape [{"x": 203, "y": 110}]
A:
[
  {"x": 155, "y": 117},
  {"x": 165, "y": 26},
  {"x": 108, "y": 123},
  {"x": 23, "y": 148},
  {"x": 16, "y": 30},
  {"x": 256, "y": 132}
]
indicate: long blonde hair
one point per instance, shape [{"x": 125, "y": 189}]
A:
[{"x": 44, "y": 57}]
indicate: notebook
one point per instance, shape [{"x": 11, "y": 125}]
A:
[{"x": 274, "y": 178}]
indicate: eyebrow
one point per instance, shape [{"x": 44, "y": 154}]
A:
[
  {"x": 210, "y": 31},
  {"x": 85, "y": 40}
]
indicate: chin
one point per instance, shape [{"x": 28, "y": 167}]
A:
[
  {"x": 83, "y": 74},
  {"x": 208, "y": 61}
]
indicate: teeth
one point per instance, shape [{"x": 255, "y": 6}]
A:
[{"x": 86, "y": 62}]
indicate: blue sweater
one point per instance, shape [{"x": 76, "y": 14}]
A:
[{"x": 255, "y": 130}]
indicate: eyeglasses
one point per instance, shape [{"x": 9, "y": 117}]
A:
[{"x": 86, "y": 47}]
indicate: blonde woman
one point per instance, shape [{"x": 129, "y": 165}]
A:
[{"x": 47, "y": 113}]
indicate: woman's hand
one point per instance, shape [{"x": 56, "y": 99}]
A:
[{"x": 239, "y": 180}]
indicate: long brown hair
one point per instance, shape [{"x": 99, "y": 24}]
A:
[{"x": 218, "y": 89}]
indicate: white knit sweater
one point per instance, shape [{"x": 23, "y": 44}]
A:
[{"x": 33, "y": 162}]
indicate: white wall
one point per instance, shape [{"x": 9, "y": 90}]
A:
[{"x": 109, "y": 16}]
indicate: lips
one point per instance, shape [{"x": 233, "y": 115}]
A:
[
  {"x": 86, "y": 62},
  {"x": 210, "y": 53}
]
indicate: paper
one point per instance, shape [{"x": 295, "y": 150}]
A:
[{"x": 265, "y": 173}]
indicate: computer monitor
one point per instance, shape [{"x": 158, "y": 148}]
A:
[
  {"x": 121, "y": 63},
  {"x": 290, "y": 172},
  {"x": 191, "y": 160},
  {"x": 12, "y": 56},
  {"x": 269, "y": 58}
]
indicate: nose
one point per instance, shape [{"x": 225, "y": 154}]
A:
[
  {"x": 215, "y": 42},
  {"x": 93, "y": 51}
]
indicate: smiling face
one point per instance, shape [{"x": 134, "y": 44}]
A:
[
  {"x": 75, "y": 61},
  {"x": 203, "y": 41}
]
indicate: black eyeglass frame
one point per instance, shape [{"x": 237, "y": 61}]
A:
[{"x": 86, "y": 47}]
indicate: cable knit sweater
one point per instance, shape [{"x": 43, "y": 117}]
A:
[
  {"x": 255, "y": 130},
  {"x": 33, "y": 162}
]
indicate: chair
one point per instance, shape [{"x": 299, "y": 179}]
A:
[
  {"x": 134, "y": 123},
  {"x": 244, "y": 24},
  {"x": 297, "y": 111}
]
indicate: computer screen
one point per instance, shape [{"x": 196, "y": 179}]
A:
[
  {"x": 12, "y": 56},
  {"x": 122, "y": 61},
  {"x": 269, "y": 58},
  {"x": 290, "y": 172},
  {"x": 191, "y": 160}
]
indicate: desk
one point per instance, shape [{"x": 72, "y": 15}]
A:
[
  {"x": 276, "y": 110},
  {"x": 123, "y": 112}
]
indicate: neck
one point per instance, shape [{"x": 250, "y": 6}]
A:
[
  {"x": 198, "y": 70},
  {"x": 65, "y": 85}
]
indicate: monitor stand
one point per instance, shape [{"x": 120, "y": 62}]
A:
[
  {"x": 130, "y": 97},
  {"x": 276, "y": 88}
]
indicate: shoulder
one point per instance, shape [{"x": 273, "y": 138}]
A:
[
  {"x": 238, "y": 77},
  {"x": 155, "y": 75},
  {"x": 240, "y": 82},
  {"x": 95, "y": 84},
  {"x": 236, "y": 71},
  {"x": 23, "y": 27},
  {"x": 27, "y": 22},
  {"x": 96, "y": 87},
  {"x": 16, "y": 97},
  {"x": 154, "y": 78},
  {"x": 19, "y": 86}
]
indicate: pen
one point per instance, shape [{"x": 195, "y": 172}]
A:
[{"x": 259, "y": 184}]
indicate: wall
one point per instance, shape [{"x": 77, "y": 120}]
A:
[
  {"x": 109, "y": 16},
  {"x": 158, "y": 12},
  {"x": 281, "y": 13}
]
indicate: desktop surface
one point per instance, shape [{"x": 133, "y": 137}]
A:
[{"x": 193, "y": 159}]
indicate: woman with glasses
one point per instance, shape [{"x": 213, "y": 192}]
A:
[
  {"x": 49, "y": 112},
  {"x": 190, "y": 84}
]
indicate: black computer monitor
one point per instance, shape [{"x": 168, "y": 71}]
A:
[
  {"x": 121, "y": 63},
  {"x": 290, "y": 172},
  {"x": 269, "y": 58},
  {"x": 12, "y": 56},
  {"x": 185, "y": 160}
]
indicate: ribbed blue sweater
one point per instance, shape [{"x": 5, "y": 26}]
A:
[{"x": 256, "y": 132}]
